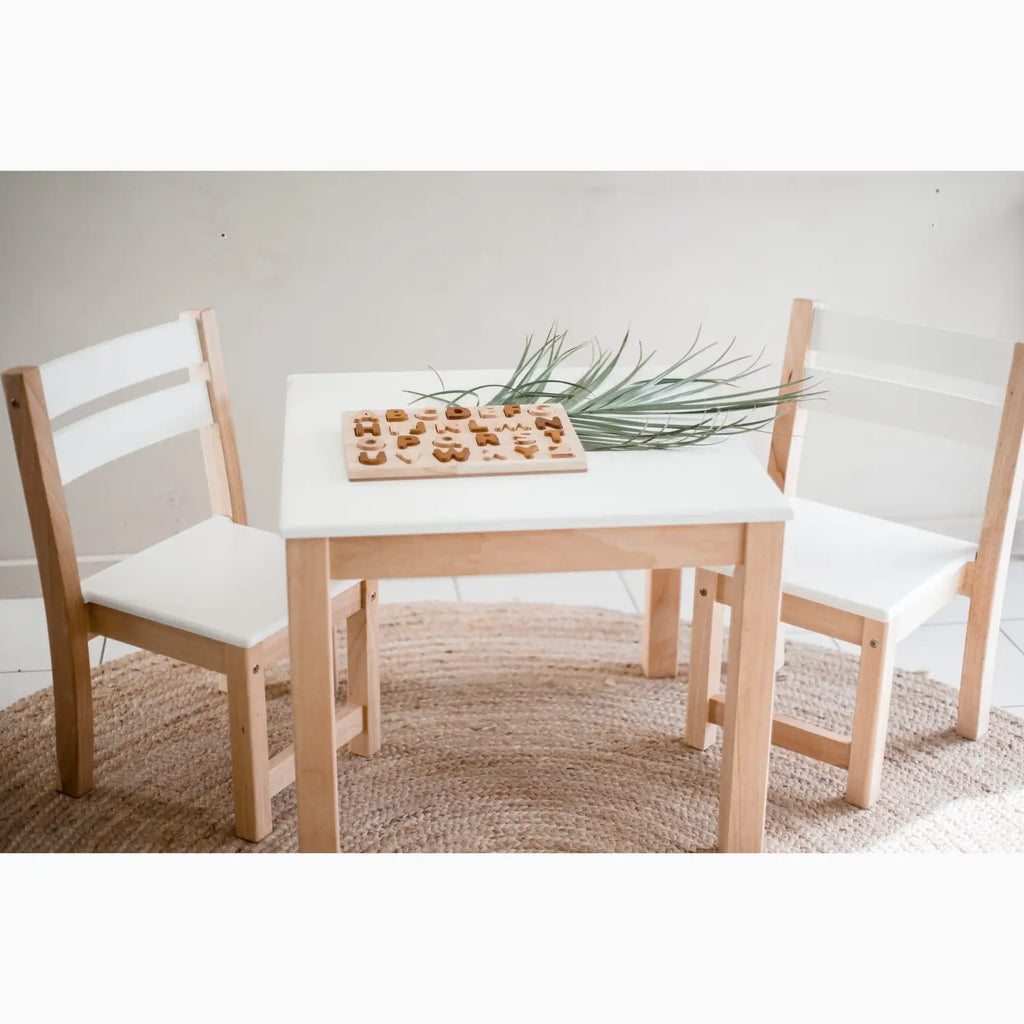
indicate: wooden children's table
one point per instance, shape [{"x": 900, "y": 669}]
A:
[{"x": 656, "y": 510}]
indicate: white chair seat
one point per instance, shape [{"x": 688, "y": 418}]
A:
[
  {"x": 860, "y": 564},
  {"x": 216, "y": 579}
]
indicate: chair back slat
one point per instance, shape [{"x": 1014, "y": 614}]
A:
[
  {"x": 970, "y": 418},
  {"x": 88, "y": 443},
  {"x": 90, "y": 373},
  {"x": 947, "y": 353}
]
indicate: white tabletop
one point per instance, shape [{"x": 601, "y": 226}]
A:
[{"x": 718, "y": 483}]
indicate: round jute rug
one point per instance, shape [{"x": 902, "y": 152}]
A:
[{"x": 509, "y": 728}]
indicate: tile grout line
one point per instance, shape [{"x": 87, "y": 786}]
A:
[
  {"x": 629, "y": 593},
  {"x": 1010, "y": 638}
]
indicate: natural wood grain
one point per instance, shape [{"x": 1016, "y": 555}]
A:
[
  {"x": 223, "y": 469},
  {"x": 348, "y": 722},
  {"x": 820, "y": 618},
  {"x": 982, "y": 580},
  {"x": 312, "y": 663},
  {"x": 798, "y": 611},
  {"x": 988, "y": 578},
  {"x": 821, "y": 744},
  {"x": 247, "y": 714},
  {"x": 157, "y": 637},
  {"x": 749, "y": 690},
  {"x": 788, "y": 428},
  {"x": 459, "y": 441},
  {"x": 213, "y": 455},
  {"x": 705, "y": 659},
  {"x": 70, "y": 621},
  {"x": 514, "y": 551},
  {"x": 364, "y": 669},
  {"x": 66, "y": 620},
  {"x": 871, "y": 716},
  {"x": 659, "y": 645}
]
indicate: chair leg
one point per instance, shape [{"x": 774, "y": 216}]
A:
[
  {"x": 780, "y": 648},
  {"x": 363, "y": 669},
  {"x": 705, "y": 659},
  {"x": 977, "y": 673},
  {"x": 72, "y": 711},
  {"x": 871, "y": 717},
  {"x": 250, "y": 762}
]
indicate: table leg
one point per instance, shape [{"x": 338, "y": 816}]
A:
[
  {"x": 750, "y": 685},
  {"x": 659, "y": 651},
  {"x": 311, "y": 644},
  {"x": 364, "y": 668}
]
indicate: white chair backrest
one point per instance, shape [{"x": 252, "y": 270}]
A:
[
  {"x": 83, "y": 376},
  {"x": 916, "y": 378}
]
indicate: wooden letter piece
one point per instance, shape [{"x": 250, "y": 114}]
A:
[
  {"x": 554, "y": 422},
  {"x": 486, "y": 439},
  {"x": 373, "y": 460},
  {"x": 527, "y": 451},
  {"x": 407, "y": 440},
  {"x": 458, "y": 412},
  {"x": 396, "y": 415},
  {"x": 447, "y": 454},
  {"x": 367, "y": 427},
  {"x": 420, "y": 428},
  {"x": 512, "y": 410}
]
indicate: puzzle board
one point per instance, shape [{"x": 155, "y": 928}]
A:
[{"x": 456, "y": 440}]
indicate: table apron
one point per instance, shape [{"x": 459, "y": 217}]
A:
[{"x": 526, "y": 551}]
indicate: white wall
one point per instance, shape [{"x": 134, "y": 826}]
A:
[{"x": 384, "y": 271}]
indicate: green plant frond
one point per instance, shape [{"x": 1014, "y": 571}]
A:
[{"x": 700, "y": 398}]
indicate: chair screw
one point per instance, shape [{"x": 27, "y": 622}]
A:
[
  {"x": 15, "y": 404},
  {"x": 874, "y": 643},
  {"x": 255, "y": 669},
  {"x": 373, "y": 595},
  {"x": 703, "y": 591}
]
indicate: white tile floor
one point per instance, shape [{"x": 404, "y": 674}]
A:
[{"x": 936, "y": 647}]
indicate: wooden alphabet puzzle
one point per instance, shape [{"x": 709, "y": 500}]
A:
[{"x": 457, "y": 440}]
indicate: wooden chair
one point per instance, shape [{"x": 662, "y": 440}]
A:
[
  {"x": 869, "y": 581},
  {"x": 213, "y": 595}
]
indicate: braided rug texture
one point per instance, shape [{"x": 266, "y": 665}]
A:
[{"x": 509, "y": 728}]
